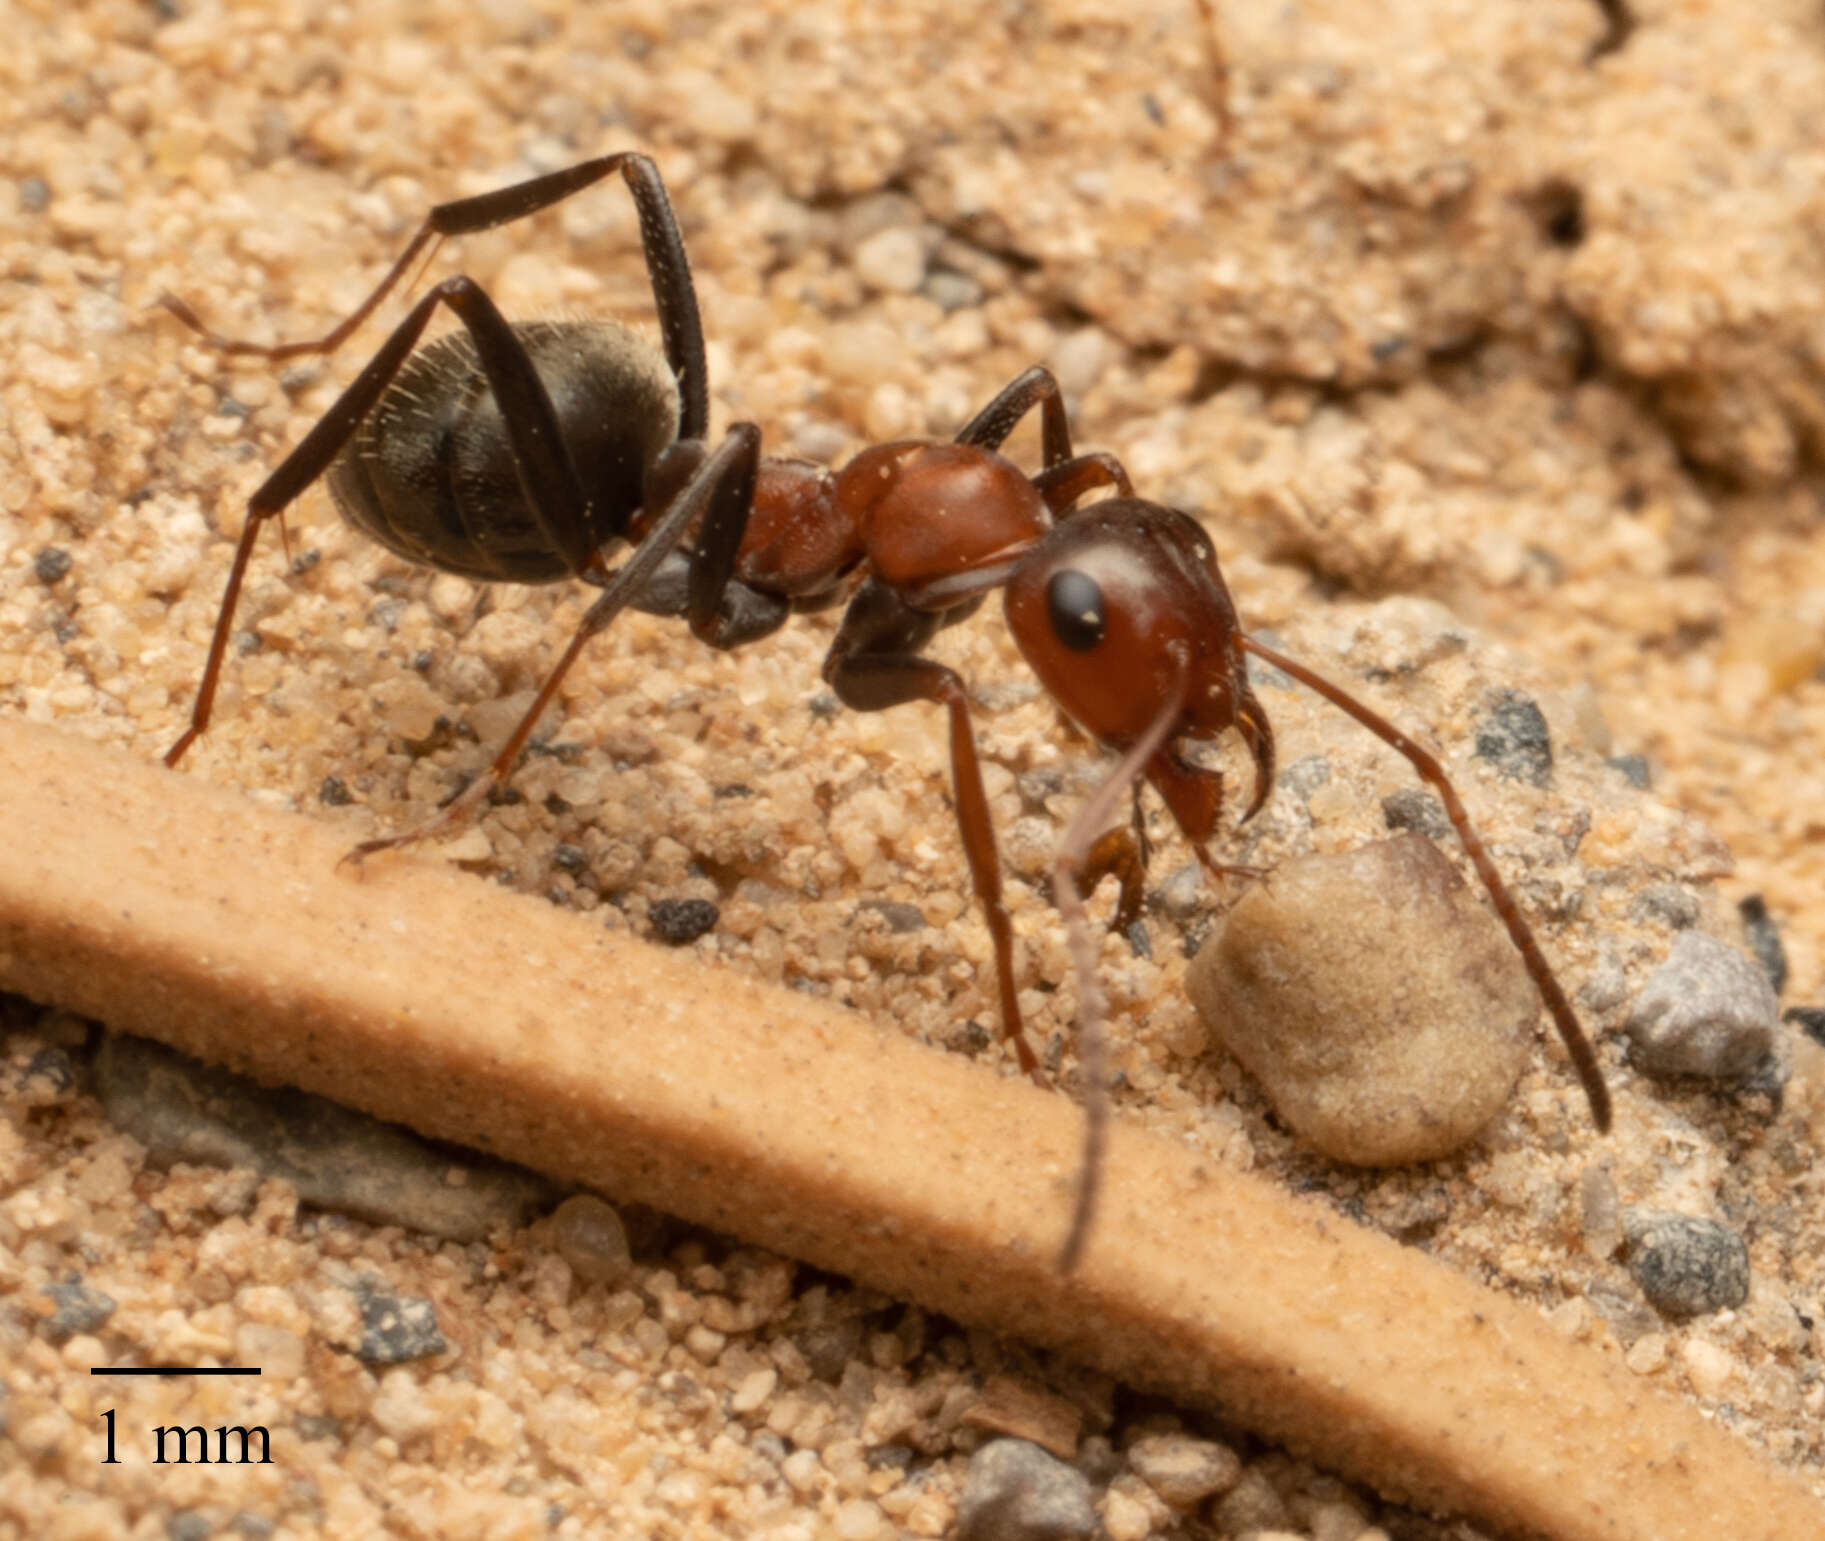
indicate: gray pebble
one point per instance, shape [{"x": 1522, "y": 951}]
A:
[
  {"x": 1016, "y": 1492},
  {"x": 183, "y": 1110},
  {"x": 52, "y": 565},
  {"x": 189, "y": 1525},
  {"x": 1707, "y": 1011},
  {"x": 1685, "y": 1266},
  {"x": 79, "y": 1309},
  {"x": 1633, "y": 768},
  {"x": 1379, "y": 1003},
  {"x": 1416, "y": 809},
  {"x": 395, "y": 1328},
  {"x": 902, "y": 918},
  {"x": 1670, "y": 905},
  {"x": 1513, "y": 737}
]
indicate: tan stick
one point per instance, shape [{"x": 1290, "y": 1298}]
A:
[{"x": 167, "y": 907}]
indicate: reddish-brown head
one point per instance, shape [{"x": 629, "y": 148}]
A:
[{"x": 1112, "y": 608}]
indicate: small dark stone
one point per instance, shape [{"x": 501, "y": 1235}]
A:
[
  {"x": 79, "y": 1309},
  {"x": 334, "y": 793},
  {"x": 824, "y": 705},
  {"x": 319, "y": 1426},
  {"x": 52, "y": 1068},
  {"x": 569, "y": 858},
  {"x": 902, "y": 919},
  {"x": 732, "y": 789},
  {"x": 188, "y": 1525},
  {"x": 1513, "y": 737},
  {"x": 1035, "y": 786},
  {"x": 1016, "y": 1492},
  {"x": 1764, "y": 940},
  {"x": 1633, "y": 768},
  {"x": 830, "y": 1344},
  {"x": 679, "y": 922},
  {"x": 255, "y": 1527},
  {"x": 1686, "y": 1266},
  {"x": 52, "y": 565},
  {"x": 1416, "y": 809},
  {"x": 395, "y": 1328},
  {"x": 1385, "y": 348},
  {"x": 34, "y": 195},
  {"x": 1667, "y": 903},
  {"x": 306, "y": 561},
  {"x": 1139, "y": 942},
  {"x": 182, "y": 1110},
  {"x": 1810, "y": 1020},
  {"x": 889, "y": 1457}
]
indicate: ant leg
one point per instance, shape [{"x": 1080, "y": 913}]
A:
[
  {"x": 724, "y": 485},
  {"x": 1583, "y": 1057},
  {"x": 1091, "y": 1056},
  {"x": 1064, "y": 485},
  {"x": 874, "y": 664},
  {"x": 1116, "y": 853},
  {"x": 550, "y": 480},
  {"x": 1033, "y": 387},
  {"x": 1066, "y": 478},
  {"x": 667, "y": 266}
]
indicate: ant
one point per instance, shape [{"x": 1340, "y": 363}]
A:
[{"x": 529, "y": 452}]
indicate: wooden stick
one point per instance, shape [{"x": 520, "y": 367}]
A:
[{"x": 170, "y": 908}]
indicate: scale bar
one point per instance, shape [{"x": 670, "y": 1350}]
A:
[{"x": 233, "y": 1369}]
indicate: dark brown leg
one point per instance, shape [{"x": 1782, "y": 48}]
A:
[
  {"x": 874, "y": 664},
  {"x": 1063, "y": 485},
  {"x": 1034, "y": 387},
  {"x": 670, "y": 271},
  {"x": 723, "y": 485},
  {"x": 1583, "y": 1057},
  {"x": 1117, "y": 852}
]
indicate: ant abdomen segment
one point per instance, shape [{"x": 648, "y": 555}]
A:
[{"x": 430, "y": 472}]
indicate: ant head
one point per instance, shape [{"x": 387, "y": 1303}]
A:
[
  {"x": 1112, "y": 606},
  {"x": 1121, "y": 608}
]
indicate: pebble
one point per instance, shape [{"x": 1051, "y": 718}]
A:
[
  {"x": 1016, "y": 1492},
  {"x": 1708, "y": 1011},
  {"x": 79, "y": 1309},
  {"x": 1513, "y": 737},
  {"x": 1252, "y": 1504},
  {"x": 679, "y": 922},
  {"x": 395, "y": 1328},
  {"x": 1686, "y": 1266},
  {"x": 590, "y": 1237},
  {"x": 183, "y": 1110},
  {"x": 51, "y": 565},
  {"x": 1381, "y": 1006},
  {"x": 1182, "y": 1470}
]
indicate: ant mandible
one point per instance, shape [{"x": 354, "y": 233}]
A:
[{"x": 528, "y": 452}]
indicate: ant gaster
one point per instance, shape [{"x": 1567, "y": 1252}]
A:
[{"x": 529, "y": 452}]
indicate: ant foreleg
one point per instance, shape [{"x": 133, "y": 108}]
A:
[
  {"x": 720, "y": 492},
  {"x": 666, "y": 264},
  {"x": 874, "y": 664},
  {"x": 532, "y": 427},
  {"x": 1583, "y": 1057}
]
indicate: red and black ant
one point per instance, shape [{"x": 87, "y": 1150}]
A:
[{"x": 529, "y": 452}]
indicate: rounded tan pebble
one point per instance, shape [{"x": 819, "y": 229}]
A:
[
  {"x": 1381, "y": 1006},
  {"x": 590, "y": 1237},
  {"x": 1182, "y": 1470}
]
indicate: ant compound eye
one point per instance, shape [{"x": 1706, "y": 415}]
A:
[{"x": 1075, "y": 603}]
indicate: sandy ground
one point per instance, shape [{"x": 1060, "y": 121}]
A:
[{"x": 1431, "y": 311}]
